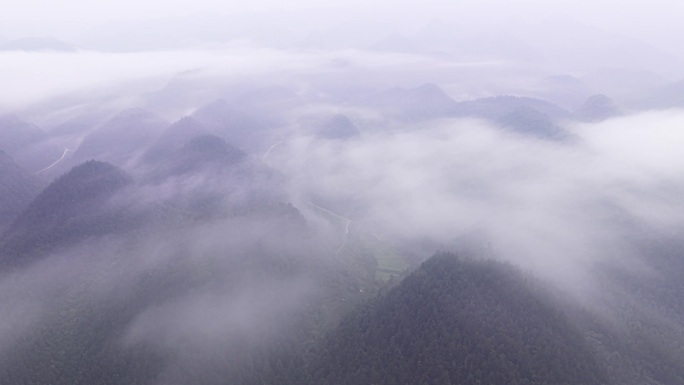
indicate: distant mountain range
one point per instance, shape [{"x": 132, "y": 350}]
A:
[{"x": 181, "y": 251}]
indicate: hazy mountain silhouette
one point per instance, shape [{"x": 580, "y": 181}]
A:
[
  {"x": 496, "y": 107},
  {"x": 72, "y": 208},
  {"x": 458, "y": 321},
  {"x": 17, "y": 189},
  {"x": 338, "y": 127},
  {"x": 203, "y": 153},
  {"x": 597, "y": 108},
  {"x": 529, "y": 121},
  {"x": 27, "y": 143},
  {"x": 121, "y": 139},
  {"x": 174, "y": 138},
  {"x": 427, "y": 101},
  {"x": 16, "y": 134},
  {"x": 239, "y": 127}
]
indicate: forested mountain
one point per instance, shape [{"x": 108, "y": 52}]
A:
[
  {"x": 529, "y": 121},
  {"x": 70, "y": 209},
  {"x": 200, "y": 153},
  {"x": 121, "y": 139},
  {"x": 338, "y": 127},
  {"x": 427, "y": 101},
  {"x": 460, "y": 321},
  {"x": 597, "y": 108},
  {"x": 27, "y": 143},
  {"x": 17, "y": 134},
  {"x": 173, "y": 138},
  {"x": 236, "y": 125},
  {"x": 17, "y": 188},
  {"x": 270, "y": 282},
  {"x": 299, "y": 197},
  {"x": 499, "y": 106}
]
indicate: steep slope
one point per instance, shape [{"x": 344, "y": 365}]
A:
[
  {"x": 209, "y": 177},
  {"x": 597, "y": 108},
  {"x": 529, "y": 121},
  {"x": 498, "y": 106},
  {"x": 17, "y": 188},
  {"x": 16, "y": 133},
  {"x": 173, "y": 138},
  {"x": 427, "y": 101},
  {"x": 120, "y": 140},
  {"x": 230, "y": 300},
  {"x": 26, "y": 143},
  {"x": 202, "y": 152},
  {"x": 237, "y": 125},
  {"x": 457, "y": 321},
  {"x": 338, "y": 127},
  {"x": 642, "y": 341},
  {"x": 71, "y": 208}
]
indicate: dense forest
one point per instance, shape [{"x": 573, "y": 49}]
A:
[
  {"x": 426, "y": 207},
  {"x": 460, "y": 321}
]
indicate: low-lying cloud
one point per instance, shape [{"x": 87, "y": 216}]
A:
[{"x": 559, "y": 208}]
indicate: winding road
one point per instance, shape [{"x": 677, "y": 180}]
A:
[
  {"x": 66, "y": 151},
  {"x": 263, "y": 159},
  {"x": 346, "y": 227}
]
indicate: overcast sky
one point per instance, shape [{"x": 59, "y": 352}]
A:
[{"x": 655, "y": 21}]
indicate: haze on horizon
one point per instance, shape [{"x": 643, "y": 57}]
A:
[
  {"x": 215, "y": 177},
  {"x": 654, "y": 22}
]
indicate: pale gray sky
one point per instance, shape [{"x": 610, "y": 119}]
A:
[
  {"x": 135, "y": 26},
  {"x": 655, "y": 21}
]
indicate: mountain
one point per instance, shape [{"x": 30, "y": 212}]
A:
[
  {"x": 529, "y": 121},
  {"x": 338, "y": 127},
  {"x": 208, "y": 177},
  {"x": 203, "y": 152},
  {"x": 427, "y": 101},
  {"x": 238, "y": 126},
  {"x": 459, "y": 321},
  {"x": 625, "y": 86},
  {"x": 262, "y": 288},
  {"x": 174, "y": 138},
  {"x": 121, "y": 139},
  {"x": 27, "y": 143},
  {"x": 72, "y": 208},
  {"x": 597, "y": 108},
  {"x": 17, "y": 189},
  {"x": 16, "y": 134},
  {"x": 496, "y": 107}
]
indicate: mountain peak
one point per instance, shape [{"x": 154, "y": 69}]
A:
[{"x": 69, "y": 208}]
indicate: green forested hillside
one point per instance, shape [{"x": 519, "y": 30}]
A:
[
  {"x": 459, "y": 321},
  {"x": 68, "y": 210},
  {"x": 17, "y": 188}
]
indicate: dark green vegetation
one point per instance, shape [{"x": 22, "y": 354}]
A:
[
  {"x": 17, "y": 189},
  {"x": 456, "y": 321},
  {"x": 180, "y": 256},
  {"x": 68, "y": 210}
]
